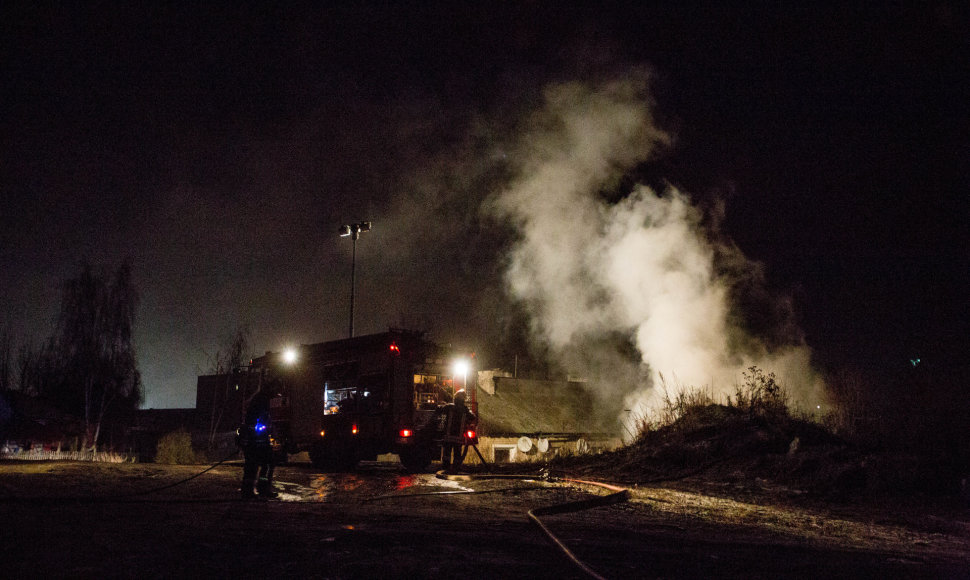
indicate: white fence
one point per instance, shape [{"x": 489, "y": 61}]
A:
[{"x": 57, "y": 455}]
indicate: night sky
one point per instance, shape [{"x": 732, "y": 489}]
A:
[{"x": 220, "y": 148}]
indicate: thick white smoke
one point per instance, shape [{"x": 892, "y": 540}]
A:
[{"x": 642, "y": 269}]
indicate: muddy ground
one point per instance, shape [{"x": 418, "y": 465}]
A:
[{"x": 83, "y": 520}]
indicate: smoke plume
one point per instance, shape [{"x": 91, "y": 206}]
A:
[{"x": 624, "y": 291}]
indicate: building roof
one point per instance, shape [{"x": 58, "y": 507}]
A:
[
  {"x": 164, "y": 420},
  {"x": 522, "y": 407}
]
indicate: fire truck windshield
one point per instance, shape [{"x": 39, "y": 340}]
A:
[{"x": 431, "y": 391}]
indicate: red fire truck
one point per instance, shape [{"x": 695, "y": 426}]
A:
[{"x": 350, "y": 400}]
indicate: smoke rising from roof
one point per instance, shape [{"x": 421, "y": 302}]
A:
[{"x": 622, "y": 292}]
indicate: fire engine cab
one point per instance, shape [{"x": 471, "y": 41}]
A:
[{"x": 350, "y": 400}]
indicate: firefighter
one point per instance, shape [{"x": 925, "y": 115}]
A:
[
  {"x": 254, "y": 437},
  {"x": 458, "y": 417}
]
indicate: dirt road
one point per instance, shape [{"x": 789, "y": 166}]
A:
[{"x": 79, "y": 520}]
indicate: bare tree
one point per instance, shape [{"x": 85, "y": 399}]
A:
[
  {"x": 37, "y": 370},
  {"x": 94, "y": 354},
  {"x": 26, "y": 368},
  {"x": 6, "y": 362},
  {"x": 228, "y": 361}
]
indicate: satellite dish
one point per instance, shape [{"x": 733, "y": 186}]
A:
[
  {"x": 524, "y": 444},
  {"x": 542, "y": 445}
]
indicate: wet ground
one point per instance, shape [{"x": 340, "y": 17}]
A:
[
  {"x": 371, "y": 480},
  {"x": 75, "y": 520}
]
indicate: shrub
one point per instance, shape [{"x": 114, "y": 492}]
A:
[
  {"x": 760, "y": 394},
  {"x": 175, "y": 447}
]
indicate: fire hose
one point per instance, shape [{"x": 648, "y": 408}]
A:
[
  {"x": 187, "y": 479},
  {"x": 619, "y": 495}
]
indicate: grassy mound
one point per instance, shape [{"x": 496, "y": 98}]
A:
[{"x": 728, "y": 445}]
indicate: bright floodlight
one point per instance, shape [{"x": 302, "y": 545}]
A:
[
  {"x": 289, "y": 356},
  {"x": 461, "y": 367}
]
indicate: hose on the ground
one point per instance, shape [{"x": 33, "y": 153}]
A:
[
  {"x": 619, "y": 495},
  {"x": 187, "y": 479},
  {"x": 452, "y": 492}
]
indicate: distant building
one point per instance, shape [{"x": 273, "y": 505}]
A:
[
  {"x": 528, "y": 420},
  {"x": 29, "y": 423},
  {"x": 220, "y": 402}
]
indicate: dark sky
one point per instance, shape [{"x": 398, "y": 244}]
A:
[{"x": 219, "y": 148}]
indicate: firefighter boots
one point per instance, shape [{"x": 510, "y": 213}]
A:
[{"x": 265, "y": 489}]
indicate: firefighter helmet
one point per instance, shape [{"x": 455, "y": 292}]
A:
[{"x": 460, "y": 397}]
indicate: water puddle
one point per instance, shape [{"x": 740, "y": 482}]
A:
[{"x": 367, "y": 482}]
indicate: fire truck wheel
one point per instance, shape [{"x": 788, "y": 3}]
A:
[{"x": 416, "y": 460}]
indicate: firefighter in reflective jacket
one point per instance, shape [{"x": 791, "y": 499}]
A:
[
  {"x": 457, "y": 418},
  {"x": 254, "y": 437}
]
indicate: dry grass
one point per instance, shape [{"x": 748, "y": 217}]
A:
[
  {"x": 915, "y": 536},
  {"x": 62, "y": 455}
]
